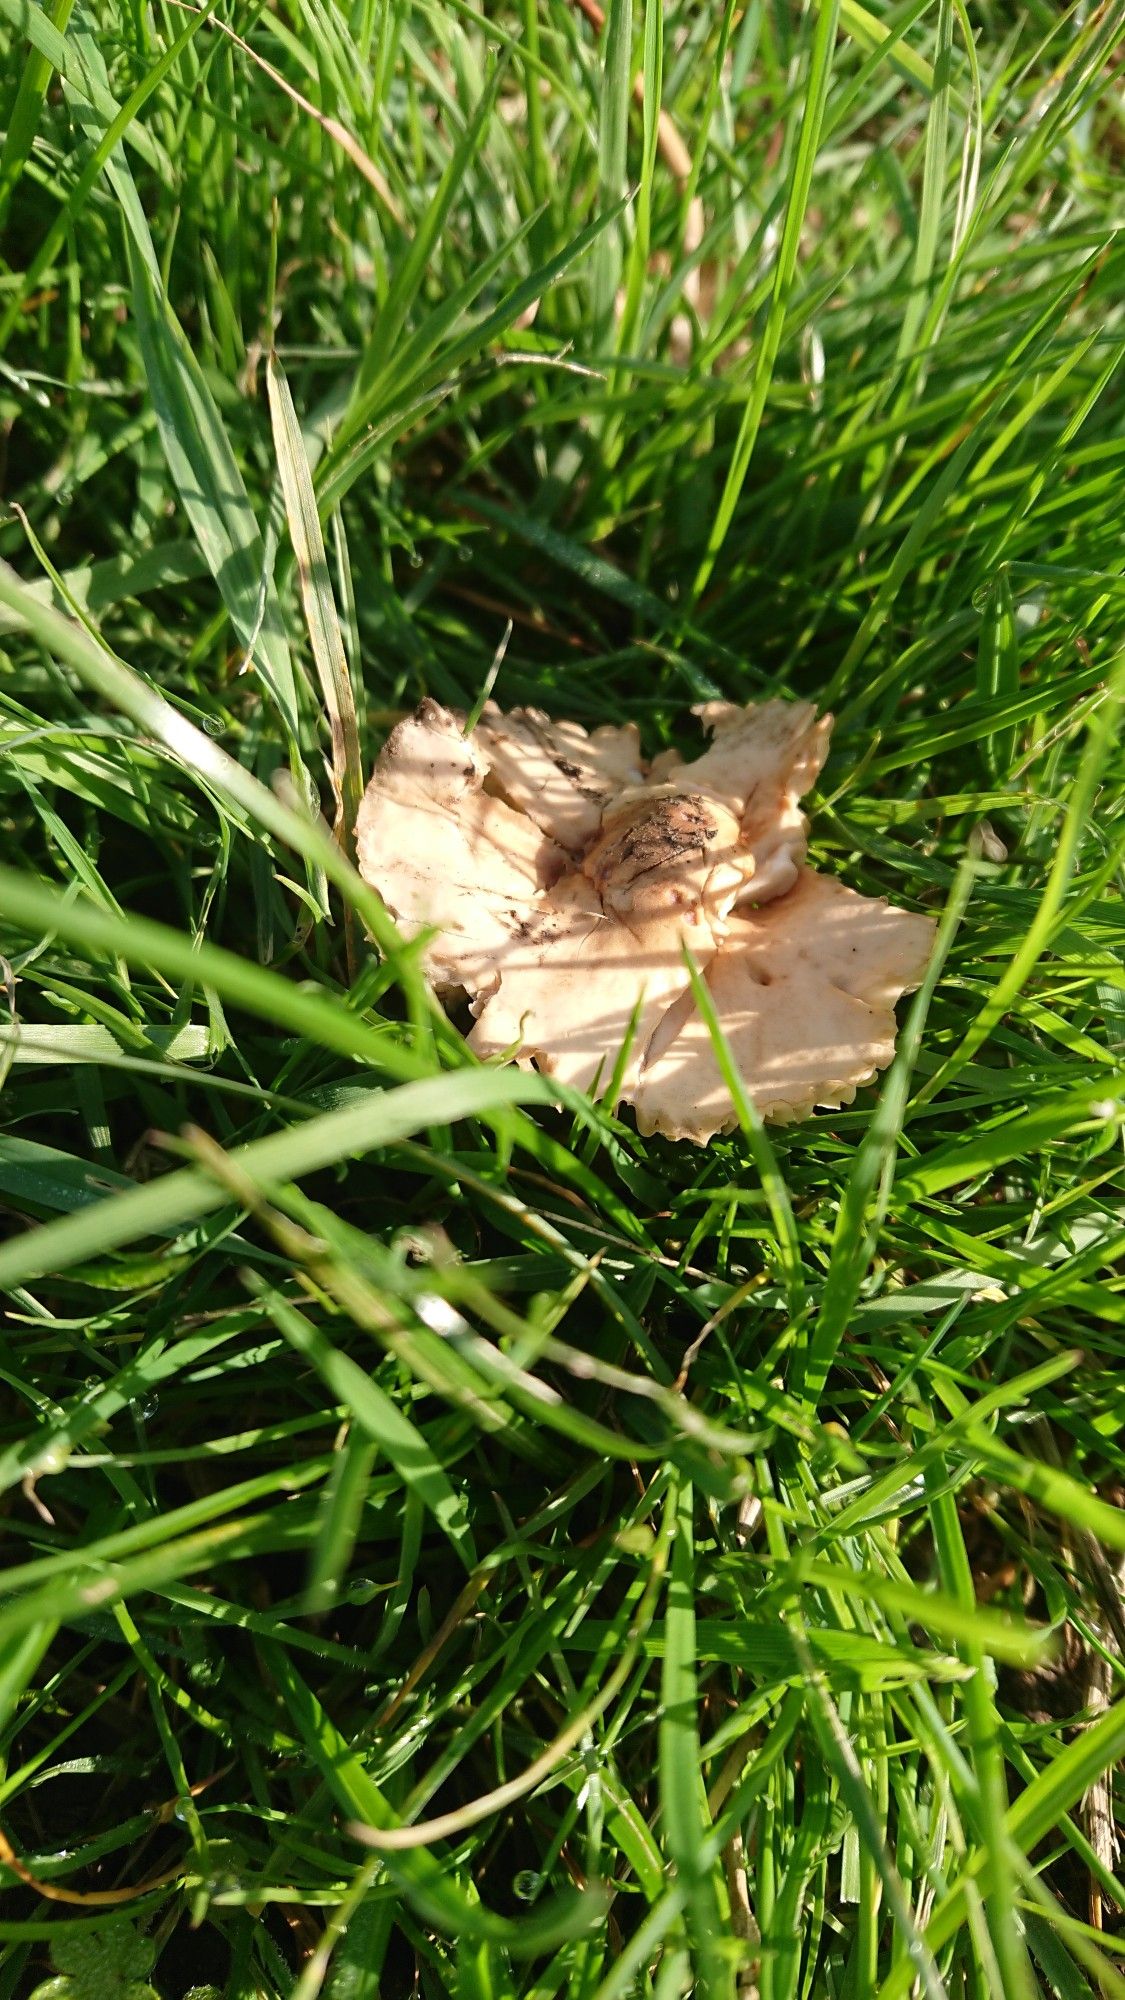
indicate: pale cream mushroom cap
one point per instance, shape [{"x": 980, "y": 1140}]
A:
[
  {"x": 443, "y": 854},
  {"x": 805, "y": 991},
  {"x": 561, "y": 775},
  {"x": 661, "y": 874},
  {"x": 564, "y": 883},
  {"x": 761, "y": 761},
  {"x": 570, "y": 988},
  {"x": 661, "y": 850}
]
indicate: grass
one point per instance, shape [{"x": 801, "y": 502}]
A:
[{"x": 454, "y": 1546}]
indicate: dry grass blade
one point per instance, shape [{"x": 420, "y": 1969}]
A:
[
  {"x": 89, "y": 1899},
  {"x": 320, "y": 608}
]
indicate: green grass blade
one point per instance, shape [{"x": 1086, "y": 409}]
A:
[
  {"x": 379, "y": 1418},
  {"x": 683, "y": 1804},
  {"x": 336, "y": 1135},
  {"x": 411, "y": 271},
  {"x": 23, "y": 120}
]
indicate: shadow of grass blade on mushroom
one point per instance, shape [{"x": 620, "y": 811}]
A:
[{"x": 563, "y": 876}]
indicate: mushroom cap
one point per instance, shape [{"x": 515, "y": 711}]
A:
[
  {"x": 443, "y": 854},
  {"x": 761, "y": 760},
  {"x": 661, "y": 850},
  {"x": 569, "y": 989},
  {"x": 561, "y": 775},
  {"x": 563, "y": 882},
  {"x": 805, "y": 991}
]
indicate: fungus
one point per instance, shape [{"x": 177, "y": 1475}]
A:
[
  {"x": 560, "y": 879},
  {"x": 805, "y": 990},
  {"x": 556, "y": 773},
  {"x": 446, "y": 855}
]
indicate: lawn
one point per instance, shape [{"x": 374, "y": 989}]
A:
[{"x": 455, "y": 1545}]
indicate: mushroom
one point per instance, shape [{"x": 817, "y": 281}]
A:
[
  {"x": 555, "y": 772},
  {"x": 446, "y": 855},
  {"x": 583, "y": 982},
  {"x": 805, "y": 991},
  {"x": 763, "y": 759},
  {"x": 566, "y": 883}
]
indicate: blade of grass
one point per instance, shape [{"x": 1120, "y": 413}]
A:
[
  {"x": 192, "y": 748},
  {"x": 412, "y": 269},
  {"x": 1101, "y": 740},
  {"x": 439, "y": 1895},
  {"x": 23, "y": 121},
  {"x": 762, "y": 1152},
  {"x": 1032, "y": 1818},
  {"x": 684, "y": 1813},
  {"x": 984, "y": 1744},
  {"x": 320, "y": 608},
  {"x": 112, "y": 135},
  {"x": 199, "y": 454},
  {"x": 373, "y": 1410},
  {"x": 336, "y": 1135},
  {"x": 615, "y": 74},
  {"x": 867, "y": 1191}
]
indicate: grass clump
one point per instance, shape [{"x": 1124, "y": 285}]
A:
[{"x": 688, "y": 1572}]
